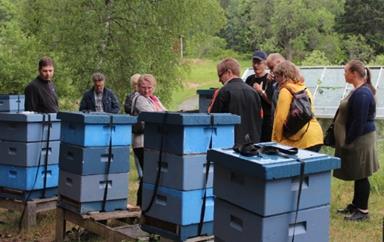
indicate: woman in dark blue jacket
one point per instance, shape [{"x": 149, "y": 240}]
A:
[{"x": 355, "y": 135}]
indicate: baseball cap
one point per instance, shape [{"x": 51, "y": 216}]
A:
[{"x": 258, "y": 54}]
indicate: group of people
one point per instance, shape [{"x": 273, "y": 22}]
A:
[
  {"x": 264, "y": 100},
  {"x": 263, "y": 103}
]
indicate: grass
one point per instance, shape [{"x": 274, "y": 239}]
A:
[{"x": 202, "y": 75}]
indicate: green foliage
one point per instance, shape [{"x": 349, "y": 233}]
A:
[
  {"x": 357, "y": 48},
  {"x": 118, "y": 38},
  {"x": 315, "y": 58},
  {"x": 378, "y": 61}
]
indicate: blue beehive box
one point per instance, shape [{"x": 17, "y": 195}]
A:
[
  {"x": 233, "y": 223},
  {"x": 93, "y": 160},
  {"x": 268, "y": 184},
  {"x": 29, "y": 127},
  {"x": 28, "y": 153},
  {"x": 28, "y": 178},
  {"x": 180, "y": 172},
  {"x": 178, "y": 207},
  {"x": 205, "y": 97},
  {"x": 96, "y": 129},
  {"x": 12, "y": 103},
  {"x": 91, "y": 188},
  {"x": 95, "y": 206},
  {"x": 188, "y": 133}
]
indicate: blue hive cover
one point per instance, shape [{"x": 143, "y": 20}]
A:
[
  {"x": 180, "y": 118},
  {"x": 269, "y": 167},
  {"x": 96, "y": 118},
  {"x": 27, "y": 116}
]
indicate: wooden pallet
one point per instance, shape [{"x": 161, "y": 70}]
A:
[
  {"x": 100, "y": 224},
  {"x": 30, "y": 208}
]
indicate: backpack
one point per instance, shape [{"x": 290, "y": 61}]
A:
[
  {"x": 137, "y": 128},
  {"x": 128, "y": 102},
  {"x": 300, "y": 113}
]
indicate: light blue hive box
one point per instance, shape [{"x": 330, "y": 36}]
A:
[
  {"x": 93, "y": 160},
  {"x": 28, "y": 154},
  {"x": 262, "y": 190},
  {"x": 83, "y": 194},
  {"x": 29, "y": 127},
  {"x": 188, "y": 133},
  {"x": 96, "y": 129},
  {"x": 12, "y": 103},
  {"x": 180, "y": 172}
]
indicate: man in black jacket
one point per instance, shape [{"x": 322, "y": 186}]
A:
[
  {"x": 40, "y": 94},
  {"x": 99, "y": 98},
  {"x": 237, "y": 97}
]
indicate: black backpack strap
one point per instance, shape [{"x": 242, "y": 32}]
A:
[
  {"x": 157, "y": 181},
  {"x": 108, "y": 166},
  {"x": 207, "y": 167}
]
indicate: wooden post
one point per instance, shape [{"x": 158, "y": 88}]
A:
[
  {"x": 60, "y": 224},
  {"x": 29, "y": 217}
]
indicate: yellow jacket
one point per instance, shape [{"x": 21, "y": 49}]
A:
[{"x": 314, "y": 134}]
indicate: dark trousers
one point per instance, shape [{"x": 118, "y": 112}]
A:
[
  {"x": 139, "y": 152},
  {"x": 361, "y": 193}
]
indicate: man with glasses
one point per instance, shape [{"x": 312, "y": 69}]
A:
[
  {"x": 259, "y": 81},
  {"x": 237, "y": 97}
]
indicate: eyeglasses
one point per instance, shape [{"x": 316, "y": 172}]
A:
[{"x": 221, "y": 74}]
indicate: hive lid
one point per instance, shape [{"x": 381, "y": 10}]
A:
[
  {"x": 180, "y": 118},
  {"x": 96, "y": 118},
  {"x": 269, "y": 167},
  {"x": 27, "y": 116},
  {"x": 10, "y": 96}
]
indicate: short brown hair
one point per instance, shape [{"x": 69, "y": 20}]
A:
[
  {"x": 229, "y": 64},
  {"x": 288, "y": 71},
  {"x": 45, "y": 61}
]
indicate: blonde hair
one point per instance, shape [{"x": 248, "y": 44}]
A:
[
  {"x": 288, "y": 71},
  {"x": 134, "y": 81},
  {"x": 229, "y": 64},
  {"x": 149, "y": 78}
]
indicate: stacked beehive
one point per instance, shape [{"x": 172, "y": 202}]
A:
[
  {"x": 182, "y": 139},
  {"x": 256, "y": 196},
  {"x": 29, "y": 151},
  {"x": 94, "y": 161}
]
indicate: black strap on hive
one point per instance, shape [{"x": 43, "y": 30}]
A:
[
  {"x": 108, "y": 165},
  {"x": 256, "y": 150},
  {"x": 49, "y": 124},
  {"x": 207, "y": 166},
  {"x": 37, "y": 172},
  {"x": 157, "y": 181}
]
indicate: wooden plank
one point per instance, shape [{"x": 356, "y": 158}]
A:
[
  {"x": 29, "y": 216},
  {"x": 60, "y": 225},
  {"x": 111, "y": 234},
  {"x": 12, "y": 204},
  {"x": 201, "y": 239},
  {"x": 113, "y": 215}
]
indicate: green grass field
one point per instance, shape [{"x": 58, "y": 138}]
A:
[{"x": 202, "y": 75}]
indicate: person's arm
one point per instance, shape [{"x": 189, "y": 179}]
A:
[
  {"x": 358, "y": 107},
  {"x": 143, "y": 105},
  {"x": 281, "y": 114},
  {"x": 84, "y": 104},
  {"x": 115, "y": 106},
  {"x": 31, "y": 98},
  {"x": 218, "y": 105}
]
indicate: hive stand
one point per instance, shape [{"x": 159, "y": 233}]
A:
[
  {"x": 32, "y": 208},
  {"x": 98, "y": 223}
]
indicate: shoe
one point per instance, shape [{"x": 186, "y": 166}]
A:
[
  {"x": 357, "y": 216},
  {"x": 349, "y": 209}
]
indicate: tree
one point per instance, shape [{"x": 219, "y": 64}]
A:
[{"x": 364, "y": 17}]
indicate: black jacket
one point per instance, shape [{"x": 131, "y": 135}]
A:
[
  {"x": 237, "y": 97},
  {"x": 41, "y": 97},
  {"x": 110, "y": 103}
]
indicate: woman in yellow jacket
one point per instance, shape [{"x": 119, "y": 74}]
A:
[{"x": 309, "y": 137}]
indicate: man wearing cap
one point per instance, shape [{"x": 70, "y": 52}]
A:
[{"x": 263, "y": 86}]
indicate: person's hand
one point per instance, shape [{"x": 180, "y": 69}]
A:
[
  {"x": 258, "y": 87},
  {"x": 271, "y": 76}
]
